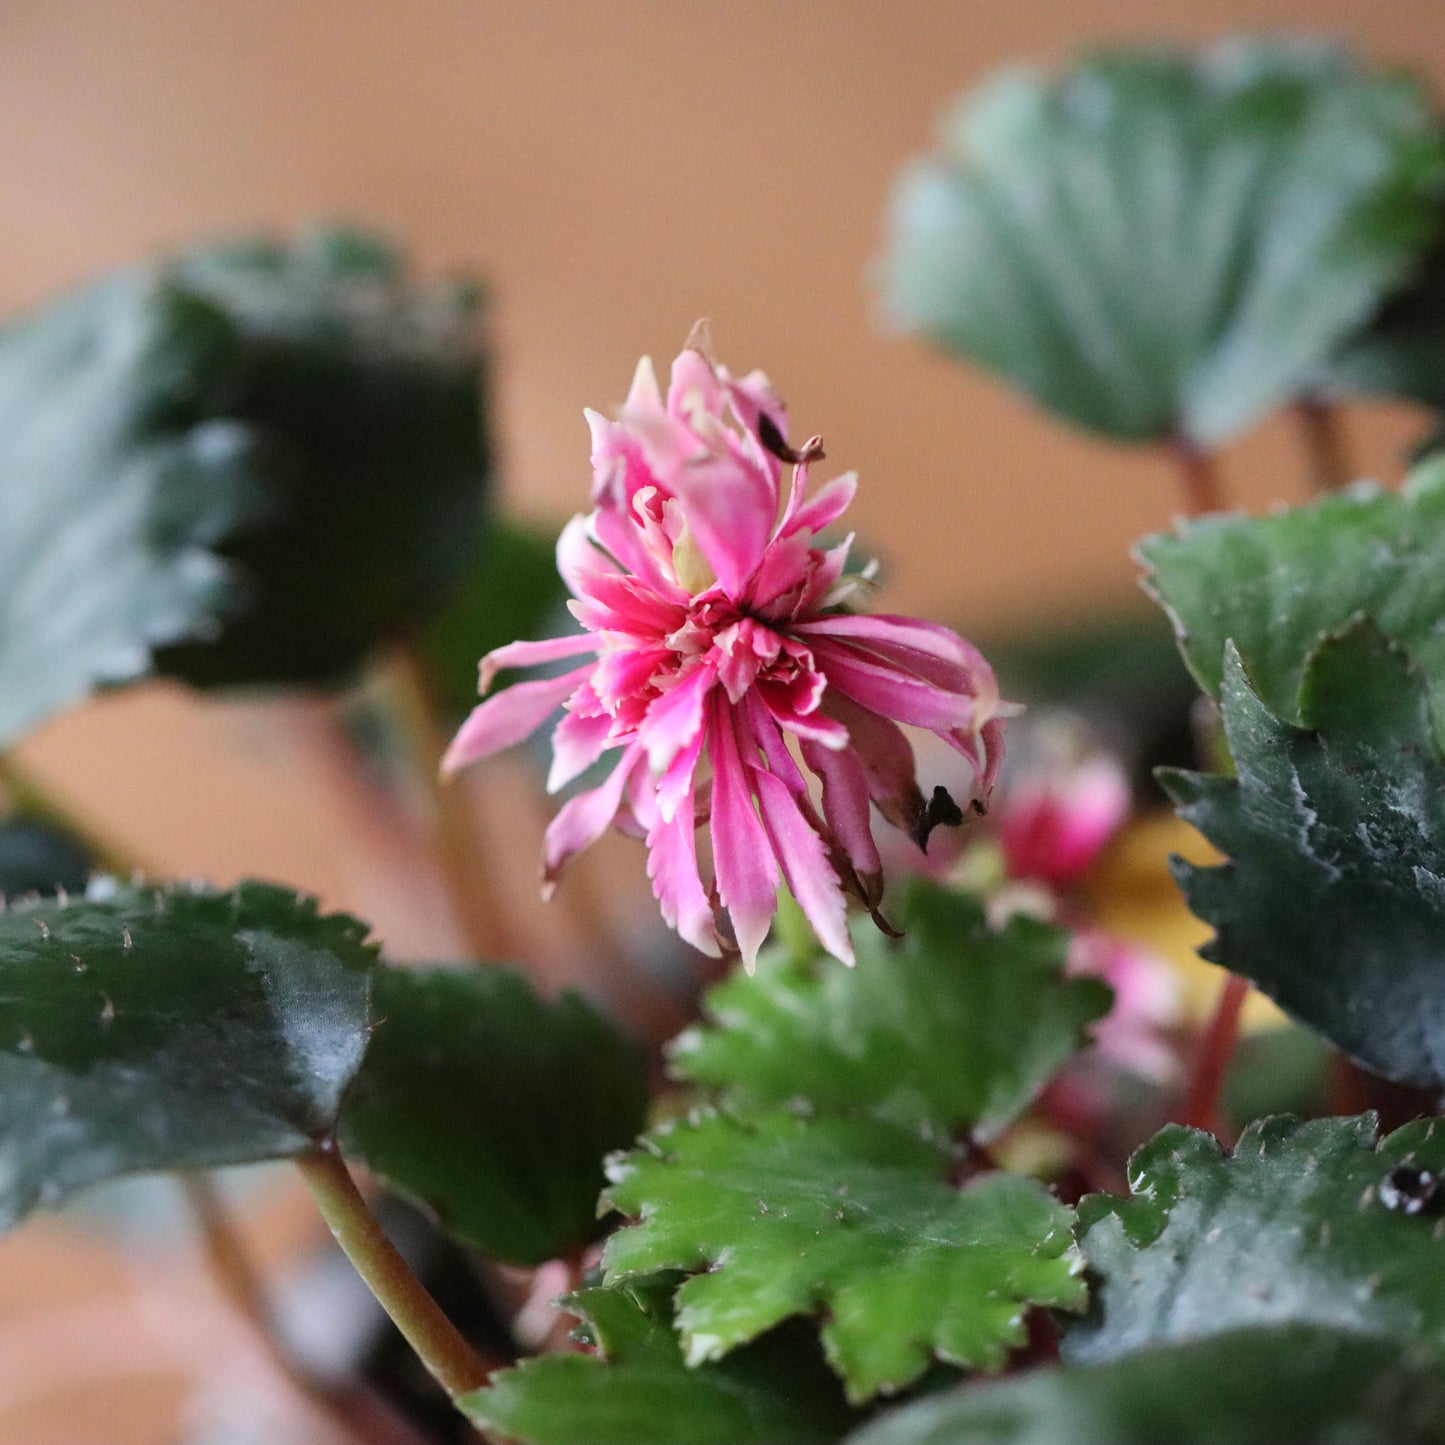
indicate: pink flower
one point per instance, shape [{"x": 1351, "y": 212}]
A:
[
  {"x": 1055, "y": 821},
  {"x": 723, "y": 667}
]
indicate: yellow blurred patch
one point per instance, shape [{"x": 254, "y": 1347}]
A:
[{"x": 1129, "y": 892}]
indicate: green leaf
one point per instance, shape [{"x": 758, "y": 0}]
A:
[
  {"x": 1333, "y": 898},
  {"x": 365, "y": 392},
  {"x": 493, "y": 1108},
  {"x": 957, "y": 1027},
  {"x": 776, "y": 1391},
  {"x": 108, "y": 406},
  {"x": 512, "y": 590},
  {"x": 1287, "y": 1386},
  {"x": 38, "y": 857},
  {"x": 1275, "y": 586},
  {"x": 1288, "y": 1229},
  {"x": 170, "y": 1028},
  {"x": 848, "y": 1218},
  {"x": 1157, "y": 243},
  {"x": 248, "y": 466},
  {"x": 1400, "y": 354}
]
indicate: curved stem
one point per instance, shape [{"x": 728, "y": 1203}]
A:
[
  {"x": 1324, "y": 438},
  {"x": 1216, "y": 1049},
  {"x": 450, "y": 1360},
  {"x": 238, "y": 1279},
  {"x": 461, "y": 848},
  {"x": 1200, "y": 476}
]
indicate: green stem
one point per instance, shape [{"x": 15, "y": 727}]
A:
[
  {"x": 360, "y": 1415},
  {"x": 460, "y": 847},
  {"x": 1324, "y": 439},
  {"x": 451, "y": 1361}
]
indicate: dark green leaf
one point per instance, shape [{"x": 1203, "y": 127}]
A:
[
  {"x": 38, "y": 857},
  {"x": 249, "y": 466},
  {"x": 1288, "y": 1229},
  {"x": 1333, "y": 898},
  {"x": 512, "y": 590},
  {"x": 365, "y": 392},
  {"x": 494, "y": 1108},
  {"x": 1158, "y": 243},
  {"x": 1400, "y": 354},
  {"x": 955, "y": 1028},
  {"x": 848, "y": 1218},
  {"x": 776, "y": 1391},
  {"x": 1276, "y": 585},
  {"x": 170, "y": 1028},
  {"x": 1284, "y": 1386}
]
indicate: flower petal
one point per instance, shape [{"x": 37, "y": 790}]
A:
[
  {"x": 508, "y": 717},
  {"x": 672, "y": 866},
  {"x": 845, "y": 806},
  {"x": 675, "y": 718},
  {"x": 531, "y": 654},
  {"x": 890, "y": 692},
  {"x": 832, "y": 500},
  {"x": 584, "y": 819},
  {"x": 742, "y": 858},
  {"x": 805, "y": 864},
  {"x": 577, "y": 742}
]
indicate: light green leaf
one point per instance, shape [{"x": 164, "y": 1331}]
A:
[
  {"x": 493, "y": 1108},
  {"x": 1159, "y": 243},
  {"x": 1288, "y": 1229},
  {"x": 1276, "y": 586},
  {"x": 849, "y": 1218},
  {"x": 776, "y": 1391},
  {"x": 1283, "y": 1386},
  {"x": 957, "y": 1027},
  {"x": 170, "y": 1028},
  {"x": 1333, "y": 898}
]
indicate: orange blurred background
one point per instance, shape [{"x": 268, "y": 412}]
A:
[{"x": 614, "y": 170}]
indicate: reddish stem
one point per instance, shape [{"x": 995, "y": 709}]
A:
[
  {"x": 1216, "y": 1049},
  {"x": 1324, "y": 440},
  {"x": 1197, "y": 470}
]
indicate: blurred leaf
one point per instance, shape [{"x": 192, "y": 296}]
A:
[
  {"x": 1283, "y": 1386},
  {"x": 1288, "y": 1229},
  {"x": 38, "y": 857},
  {"x": 1277, "y": 1071},
  {"x": 494, "y": 1108},
  {"x": 1333, "y": 898},
  {"x": 1400, "y": 354},
  {"x": 249, "y": 466},
  {"x": 108, "y": 415},
  {"x": 846, "y": 1218},
  {"x": 366, "y": 392},
  {"x": 776, "y": 1391},
  {"x": 957, "y": 1027},
  {"x": 1156, "y": 243},
  {"x": 1276, "y": 585},
  {"x": 511, "y": 591},
  {"x": 169, "y": 1028}
]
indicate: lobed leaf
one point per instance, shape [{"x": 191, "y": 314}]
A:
[
  {"x": 1289, "y": 1229},
  {"x": 492, "y": 1107},
  {"x": 849, "y": 1218},
  {"x": 1276, "y": 586},
  {"x": 170, "y": 1028},
  {"x": 1333, "y": 898},
  {"x": 957, "y": 1027},
  {"x": 1158, "y": 243},
  {"x": 1288, "y": 1385},
  {"x": 775, "y": 1391}
]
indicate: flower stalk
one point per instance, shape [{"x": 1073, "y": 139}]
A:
[{"x": 449, "y": 1359}]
